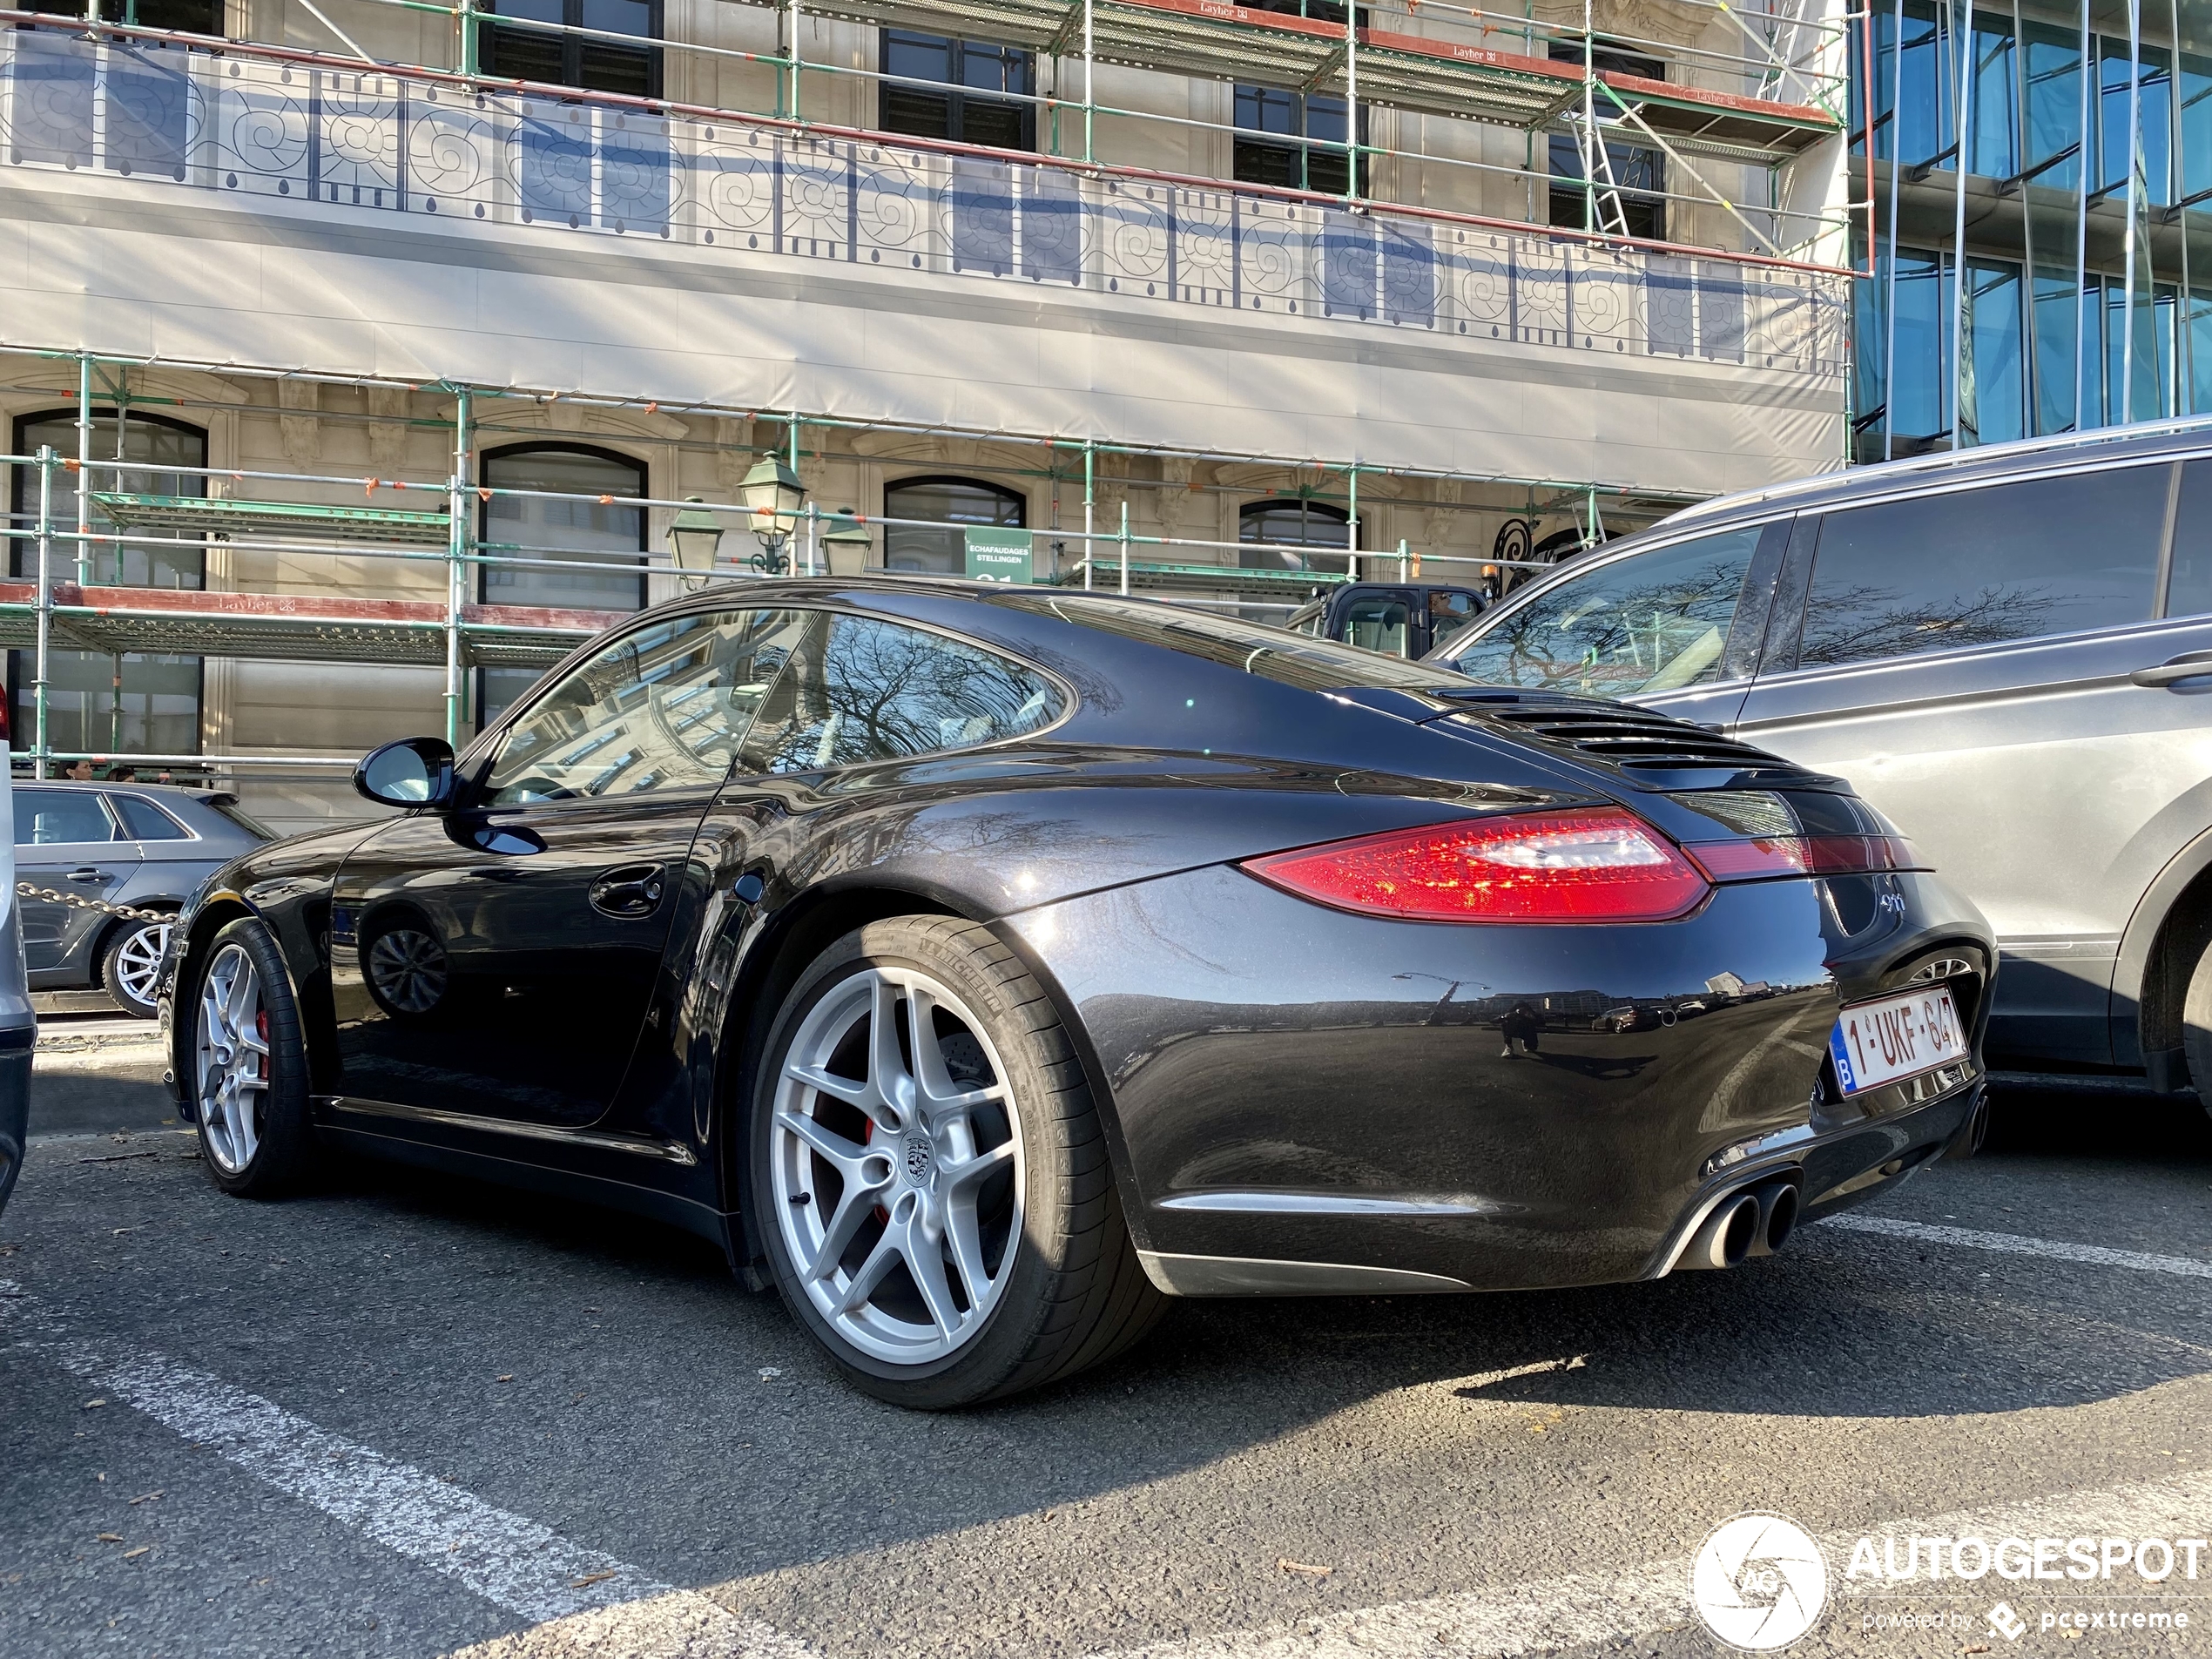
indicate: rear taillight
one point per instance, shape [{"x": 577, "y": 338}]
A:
[
  {"x": 1778, "y": 855},
  {"x": 1599, "y": 865}
]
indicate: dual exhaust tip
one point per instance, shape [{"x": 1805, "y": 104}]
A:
[{"x": 1756, "y": 1221}]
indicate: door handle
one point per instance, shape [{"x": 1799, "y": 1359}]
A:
[
  {"x": 2197, "y": 665},
  {"x": 629, "y": 892},
  {"x": 88, "y": 874}
]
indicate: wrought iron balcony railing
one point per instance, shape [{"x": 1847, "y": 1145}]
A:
[{"x": 257, "y": 122}]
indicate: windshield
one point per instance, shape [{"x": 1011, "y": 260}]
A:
[{"x": 1273, "y": 653}]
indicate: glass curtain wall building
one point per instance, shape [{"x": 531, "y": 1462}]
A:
[{"x": 2040, "y": 244}]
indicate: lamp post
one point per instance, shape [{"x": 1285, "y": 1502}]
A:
[
  {"x": 694, "y": 536},
  {"x": 772, "y": 491},
  {"x": 848, "y": 547}
]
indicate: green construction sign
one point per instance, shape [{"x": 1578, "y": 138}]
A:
[{"x": 995, "y": 555}]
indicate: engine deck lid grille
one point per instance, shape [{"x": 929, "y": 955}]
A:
[{"x": 1645, "y": 749}]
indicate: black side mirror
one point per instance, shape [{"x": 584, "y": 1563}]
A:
[{"x": 415, "y": 771}]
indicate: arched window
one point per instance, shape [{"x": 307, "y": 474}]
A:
[
  {"x": 1279, "y": 526},
  {"x": 953, "y": 503},
  {"x": 593, "y": 531},
  {"x": 136, "y": 703}
]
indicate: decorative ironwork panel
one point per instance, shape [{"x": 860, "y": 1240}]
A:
[
  {"x": 733, "y": 186},
  {"x": 1136, "y": 239},
  {"x": 359, "y": 126},
  {"x": 633, "y": 173},
  {"x": 1670, "y": 306},
  {"x": 451, "y": 158},
  {"x": 1543, "y": 309},
  {"x": 983, "y": 199},
  {"x": 1408, "y": 272},
  {"x": 1205, "y": 247},
  {"x": 1052, "y": 225},
  {"x": 50, "y": 83},
  {"x": 552, "y": 162},
  {"x": 1606, "y": 288},
  {"x": 1273, "y": 254},
  {"x": 1347, "y": 263},
  {"x": 819, "y": 210},
  {"x": 149, "y": 108},
  {"x": 901, "y": 216},
  {"x": 1478, "y": 277},
  {"x": 1720, "y": 311}
]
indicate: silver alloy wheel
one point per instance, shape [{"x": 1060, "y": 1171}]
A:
[
  {"x": 138, "y": 960},
  {"x": 899, "y": 1192},
  {"x": 408, "y": 968},
  {"x": 231, "y": 1047}
]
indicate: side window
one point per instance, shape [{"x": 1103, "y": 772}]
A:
[
  {"x": 143, "y": 821},
  {"x": 1652, "y": 622},
  {"x": 2188, "y": 590},
  {"x": 1380, "y": 622},
  {"x": 664, "y": 707},
  {"x": 44, "y": 816},
  {"x": 859, "y": 690},
  {"x": 1977, "y": 567}
]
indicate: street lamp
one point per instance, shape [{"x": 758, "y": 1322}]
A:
[
  {"x": 849, "y": 546},
  {"x": 694, "y": 536},
  {"x": 772, "y": 490}
]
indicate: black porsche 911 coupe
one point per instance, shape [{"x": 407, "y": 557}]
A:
[{"x": 981, "y": 966}]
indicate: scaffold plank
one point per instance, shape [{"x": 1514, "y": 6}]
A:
[
  {"x": 290, "y": 520},
  {"x": 293, "y": 627}
]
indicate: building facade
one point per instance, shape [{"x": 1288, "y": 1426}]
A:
[
  {"x": 371, "y": 348},
  {"x": 2060, "y": 155}
]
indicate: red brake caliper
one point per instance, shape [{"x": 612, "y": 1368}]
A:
[{"x": 261, "y": 1026}]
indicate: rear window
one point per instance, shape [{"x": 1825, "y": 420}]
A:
[
  {"x": 143, "y": 821},
  {"x": 228, "y": 808},
  {"x": 1273, "y": 653},
  {"x": 1978, "y": 567}
]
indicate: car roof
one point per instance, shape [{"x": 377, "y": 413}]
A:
[
  {"x": 200, "y": 792},
  {"x": 1948, "y": 467}
]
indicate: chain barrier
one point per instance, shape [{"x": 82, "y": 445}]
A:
[{"x": 78, "y": 902}]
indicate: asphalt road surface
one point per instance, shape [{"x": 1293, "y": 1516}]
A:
[{"x": 407, "y": 1415}]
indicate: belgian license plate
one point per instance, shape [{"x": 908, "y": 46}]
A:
[{"x": 1898, "y": 1036}]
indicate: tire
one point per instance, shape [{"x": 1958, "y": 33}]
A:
[
  {"x": 249, "y": 1098},
  {"x": 2197, "y": 1027},
  {"x": 131, "y": 963},
  {"x": 996, "y": 1258}
]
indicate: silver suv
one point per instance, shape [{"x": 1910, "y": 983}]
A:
[{"x": 2008, "y": 651}]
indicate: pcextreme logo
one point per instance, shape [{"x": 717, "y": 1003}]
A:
[{"x": 1758, "y": 1582}]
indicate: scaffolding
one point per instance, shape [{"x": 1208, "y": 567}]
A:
[{"x": 63, "y": 604}]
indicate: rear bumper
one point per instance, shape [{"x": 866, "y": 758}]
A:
[{"x": 1307, "y": 1101}]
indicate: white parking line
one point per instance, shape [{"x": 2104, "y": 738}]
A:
[
  {"x": 526, "y": 1568},
  {"x": 1546, "y": 1615},
  {"x": 2019, "y": 1244}
]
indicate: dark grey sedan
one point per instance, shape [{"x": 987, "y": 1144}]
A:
[{"x": 143, "y": 846}]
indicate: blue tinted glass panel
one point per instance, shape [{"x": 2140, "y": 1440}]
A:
[
  {"x": 2054, "y": 105},
  {"x": 1919, "y": 398},
  {"x": 1923, "y": 102},
  {"x": 2196, "y": 124},
  {"x": 1994, "y": 153},
  {"x": 1999, "y": 410},
  {"x": 2058, "y": 323},
  {"x": 2156, "y": 92}
]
